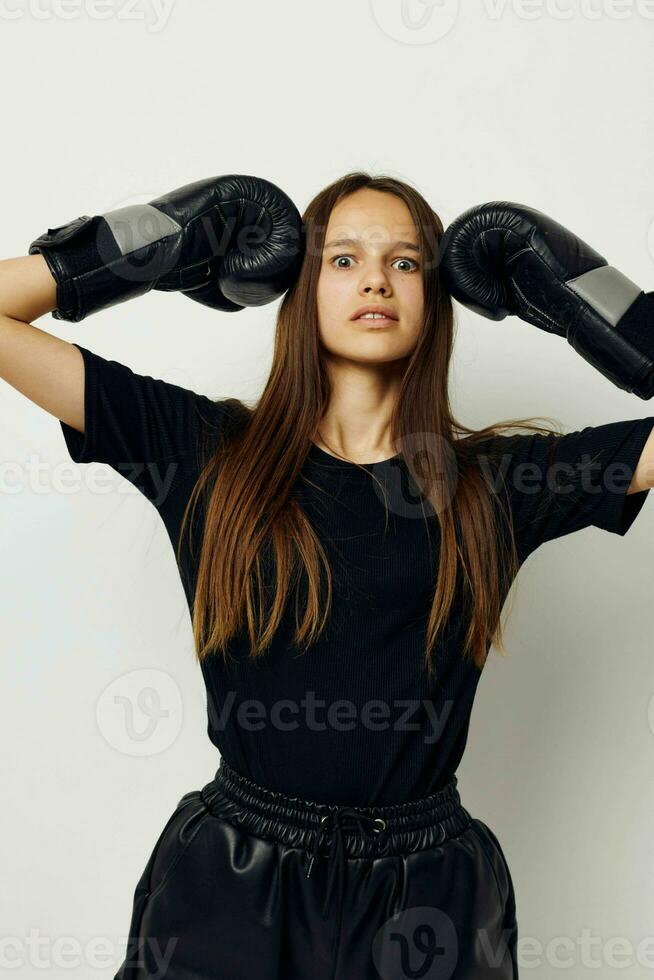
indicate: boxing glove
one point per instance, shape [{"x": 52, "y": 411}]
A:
[
  {"x": 501, "y": 258},
  {"x": 227, "y": 242}
]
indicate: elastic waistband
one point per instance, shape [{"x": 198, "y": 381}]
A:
[{"x": 291, "y": 820}]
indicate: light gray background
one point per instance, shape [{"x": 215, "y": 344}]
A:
[{"x": 547, "y": 105}]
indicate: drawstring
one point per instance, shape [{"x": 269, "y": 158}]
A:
[{"x": 337, "y": 857}]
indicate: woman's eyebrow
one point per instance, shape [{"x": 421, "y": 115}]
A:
[{"x": 337, "y": 243}]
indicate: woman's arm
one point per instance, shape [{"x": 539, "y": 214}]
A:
[
  {"x": 188, "y": 240},
  {"x": 644, "y": 473},
  {"x": 47, "y": 370}
]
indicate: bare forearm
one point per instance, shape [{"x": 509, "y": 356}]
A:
[
  {"x": 27, "y": 288},
  {"x": 45, "y": 368}
]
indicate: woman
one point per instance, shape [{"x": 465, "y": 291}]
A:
[{"x": 346, "y": 548}]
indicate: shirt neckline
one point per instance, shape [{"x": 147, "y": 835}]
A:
[{"x": 323, "y": 456}]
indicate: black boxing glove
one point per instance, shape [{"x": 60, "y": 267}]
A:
[
  {"x": 227, "y": 242},
  {"x": 501, "y": 258}
]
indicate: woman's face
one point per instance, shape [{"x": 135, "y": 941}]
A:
[{"x": 377, "y": 267}]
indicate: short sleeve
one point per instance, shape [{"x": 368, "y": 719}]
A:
[
  {"x": 148, "y": 430},
  {"x": 556, "y": 485}
]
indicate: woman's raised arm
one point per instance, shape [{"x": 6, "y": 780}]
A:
[{"x": 46, "y": 369}]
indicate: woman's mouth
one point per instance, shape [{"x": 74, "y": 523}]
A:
[{"x": 375, "y": 322}]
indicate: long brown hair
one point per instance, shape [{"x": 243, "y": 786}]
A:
[{"x": 246, "y": 484}]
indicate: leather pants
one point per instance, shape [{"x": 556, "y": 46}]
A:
[{"x": 249, "y": 884}]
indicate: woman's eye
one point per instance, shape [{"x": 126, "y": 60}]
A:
[
  {"x": 413, "y": 261},
  {"x": 337, "y": 258}
]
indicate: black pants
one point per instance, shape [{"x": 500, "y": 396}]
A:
[{"x": 249, "y": 884}]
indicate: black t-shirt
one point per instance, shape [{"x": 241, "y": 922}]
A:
[{"x": 354, "y": 719}]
